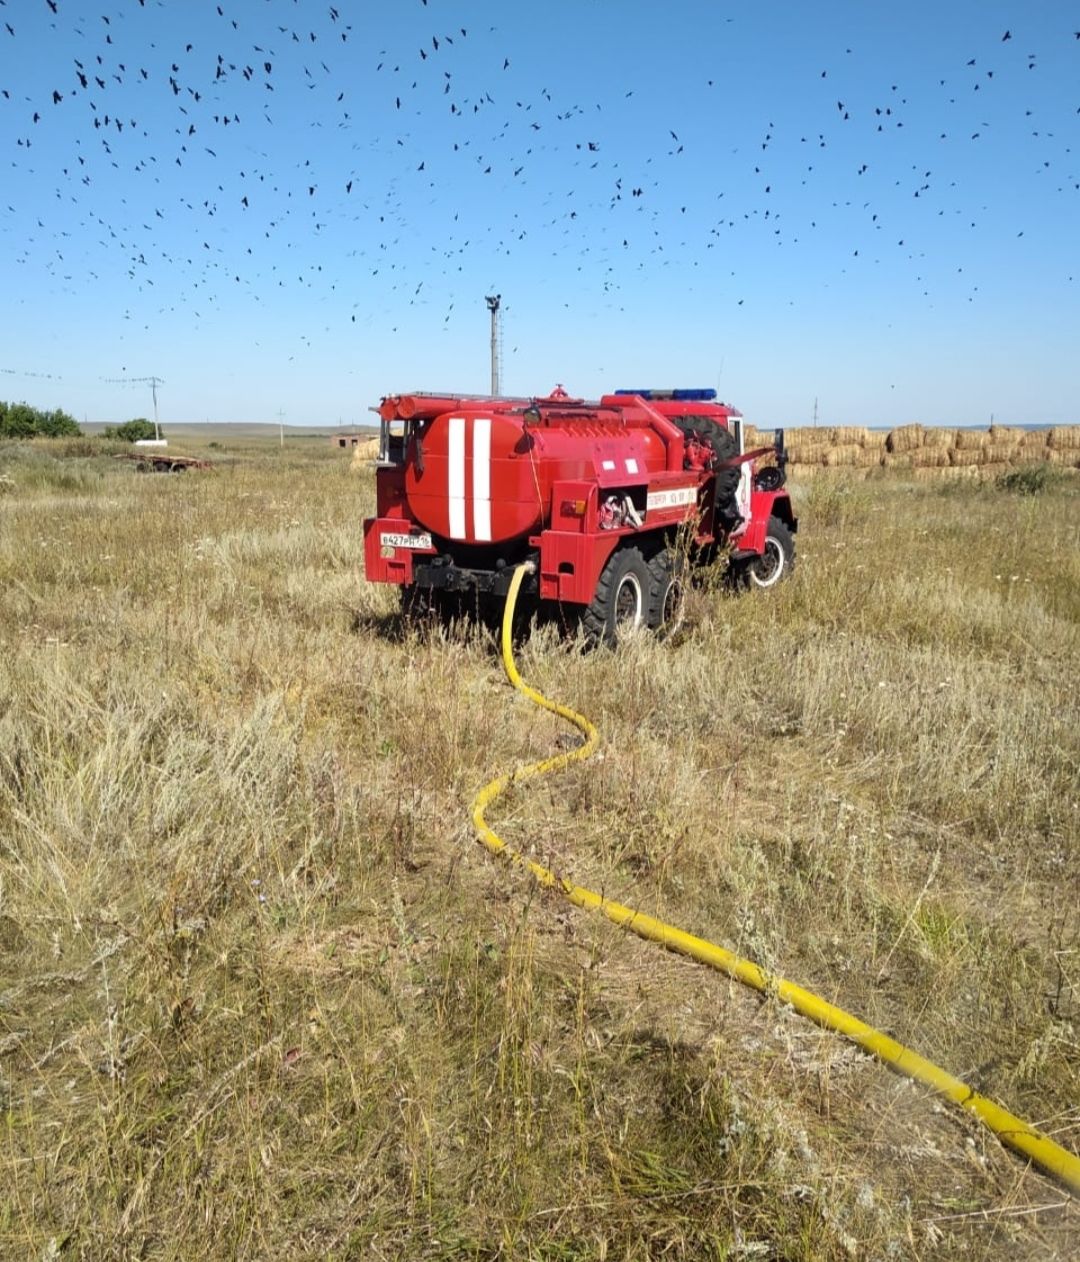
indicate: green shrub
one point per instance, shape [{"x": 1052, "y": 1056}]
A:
[
  {"x": 132, "y": 431},
  {"x": 20, "y": 420},
  {"x": 1029, "y": 479}
]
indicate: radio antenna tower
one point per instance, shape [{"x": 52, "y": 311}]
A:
[
  {"x": 152, "y": 382},
  {"x": 494, "y": 302}
]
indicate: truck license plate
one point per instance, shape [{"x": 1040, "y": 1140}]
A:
[{"x": 389, "y": 540}]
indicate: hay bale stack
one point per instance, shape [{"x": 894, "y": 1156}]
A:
[
  {"x": 965, "y": 455},
  {"x": 870, "y": 455},
  {"x": 1065, "y": 459},
  {"x": 1006, "y": 434},
  {"x": 971, "y": 439},
  {"x": 1064, "y": 438},
  {"x": 805, "y": 455},
  {"x": 844, "y": 456},
  {"x": 906, "y": 438},
  {"x": 849, "y": 435},
  {"x": 1000, "y": 453},
  {"x": 941, "y": 439},
  {"x": 898, "y": 460},
  {"x": 806, "y": 445},
  {"x": 754, "y": 437},
  {"x": 931, "y": 458},
  {"x": 1036, "y": 438}
]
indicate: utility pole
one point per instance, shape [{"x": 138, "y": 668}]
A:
[
  {"x": 493, "y": 302},
  {"x": 281, "y": 426},
  {"x": 815, "y": 412},
  {"x": 153, "y": 383}
]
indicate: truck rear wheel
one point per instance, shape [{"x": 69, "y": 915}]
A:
[
  {"x": 778, "y": 559},
  {"x": 622, "y": 598},
  {"x": 667, "y": 595}
]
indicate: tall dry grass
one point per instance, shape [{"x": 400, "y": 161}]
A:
[{"x": 262, "y": 996}]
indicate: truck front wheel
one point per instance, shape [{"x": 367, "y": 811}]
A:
[
  {"x": 778, "y": 559},
  {"x": 621, "y": 599}
]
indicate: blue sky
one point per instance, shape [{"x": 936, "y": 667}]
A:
[{"x": 300, "y": 207}]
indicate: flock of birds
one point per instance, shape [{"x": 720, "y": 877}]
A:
[{"x": 281, "y": 147}]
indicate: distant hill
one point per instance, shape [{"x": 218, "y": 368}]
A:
[{"x": 206, "y": 431}]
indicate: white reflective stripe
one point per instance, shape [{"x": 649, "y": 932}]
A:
[
  {"x": 455, "y": 476},
  {"x": 631, "y": 466},
  {"x": 481, "y": 479}
]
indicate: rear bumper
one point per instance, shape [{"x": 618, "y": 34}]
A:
[
  {"x": 568, "y": 563},
  {"x": 392, "y": 545},
  {"x": 443, "y": 574}
]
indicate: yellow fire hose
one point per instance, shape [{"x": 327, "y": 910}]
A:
[{"x": 1040, "y": 1148}]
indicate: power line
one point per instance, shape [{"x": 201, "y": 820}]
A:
[
  {"x": 45, "y": 376},
  {"x": 152, "y": 382}
]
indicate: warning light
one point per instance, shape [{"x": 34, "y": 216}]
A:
[{"x": 685, "y": 395}]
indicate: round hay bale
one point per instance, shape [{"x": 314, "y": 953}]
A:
[
  {"x": 364, "y": 453},
  {"x": 965, "y": 455},
  {"x": 803, "y": 472},
  {"x": 1006, "y": 433},
  {"x": 905, "y": 438},
  {"x": 923, "y": 473},
  {"x": 870, "y": 457},
  {"x": 845, "y": 435},
  {"x": 1064, "y": 437},
  {"x": 801, "y": 453},
  {"x": 931, "y": 458},
  {"x": 806, "y": 436},
  {"x": 971, "y": 439},
  {"x": 1036, "y": 438},
  {"x": 844, "y": 456},
  {"x": 993, "y": 469},
  {"x": 898, "y": 460},
  {"x": 1063, "y": 459},
  {"x": 1000, "y": 453},
  {"x": 944, "y": 438}
]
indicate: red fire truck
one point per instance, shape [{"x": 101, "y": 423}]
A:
[{"x": 613, "y": 501}]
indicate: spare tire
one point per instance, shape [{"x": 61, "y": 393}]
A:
[{"x": 722, "y": 442}]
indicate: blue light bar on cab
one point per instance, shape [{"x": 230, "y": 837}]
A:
[{"x": 687, "y": 395}]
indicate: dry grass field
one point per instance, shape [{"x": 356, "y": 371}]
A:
[{"x": 262, "y": 996}]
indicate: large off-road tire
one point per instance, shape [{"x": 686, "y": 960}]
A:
[
  {"x": 621, "y": 599},
  {"x": 724, "y": 446},
  {"x": 667, "y": 592},
  {"x": 778, "y": 559}
]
